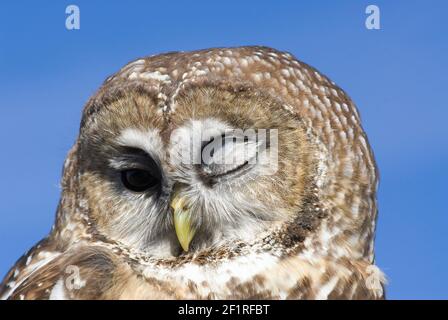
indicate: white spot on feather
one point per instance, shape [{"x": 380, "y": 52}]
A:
[
  {"x": 58, "y": 291},
  {"x": 30, "y": 270},
  {"x": 244, "y": 268},
  {"x": 227, "y": 61},
  {"x": 327, "y": 288},
  {"x": 156, "y": 75}
]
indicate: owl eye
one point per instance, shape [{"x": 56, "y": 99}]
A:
[
  {"x": 226, "y": 154},
  {"x": 138, "y": 180}
]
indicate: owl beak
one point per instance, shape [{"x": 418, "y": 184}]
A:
[{"x": 182, "y": 222}]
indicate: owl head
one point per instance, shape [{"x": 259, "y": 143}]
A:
[{"x": 183, "y": 153}]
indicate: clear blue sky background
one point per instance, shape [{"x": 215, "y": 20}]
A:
[{"x": 397, "y": 76}]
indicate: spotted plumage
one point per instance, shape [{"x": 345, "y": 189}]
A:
[{"x": 132, "y": 223}]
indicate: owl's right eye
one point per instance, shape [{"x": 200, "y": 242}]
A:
[{"x": 138, "y": 180}]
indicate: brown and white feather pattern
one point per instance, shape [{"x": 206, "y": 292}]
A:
[{"x": 323, "y": 250}]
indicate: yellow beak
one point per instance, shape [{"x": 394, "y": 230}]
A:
[{"x": 182, "y": 222}]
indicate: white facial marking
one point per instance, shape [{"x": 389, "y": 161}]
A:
[{"x": 148, "y": 141}]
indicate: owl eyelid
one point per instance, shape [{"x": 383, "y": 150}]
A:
[
  {"x": 134, "y": 153},
  {"x": 215, "y": 170},
  {"x": 230, "y": 171}
]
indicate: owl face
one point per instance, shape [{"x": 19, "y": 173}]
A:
[
  {"x": 223, "y": 168},
  {"x": 232, "y": 173}
]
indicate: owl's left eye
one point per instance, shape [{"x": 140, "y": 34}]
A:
[
  {"x": 138, "y": 180},
  {"x": 227, "y": 154}
]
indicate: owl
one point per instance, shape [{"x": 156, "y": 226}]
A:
[{"x": 227, "y": 173}]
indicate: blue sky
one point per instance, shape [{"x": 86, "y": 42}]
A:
[{"x": 396, "y": 76}]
